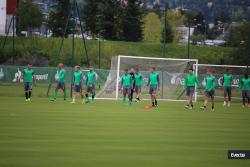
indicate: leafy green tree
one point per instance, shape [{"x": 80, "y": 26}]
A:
[
  {"x": 110, "y": 19},
  {"x": 91, "y": 16},
  {"x": 132, "y": 20},
  {"x": 29, "y": 15},
  {"x": 58, "y": 18},
  {"x": 152, "y": 28}
]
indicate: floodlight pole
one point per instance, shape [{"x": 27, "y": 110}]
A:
[
  {"x": 189, "y": 27},
  {"x": 165, "y": 31}
]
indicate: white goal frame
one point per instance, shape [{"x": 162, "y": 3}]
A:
[{"x": 149, "y": 58}]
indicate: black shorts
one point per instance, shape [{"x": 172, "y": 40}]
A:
[
  {"x": 209, "y": 93},
  {"x": 190, "y": 91},
  {"x": 137, "y": 89},
  {"x": 227, "y": 91},
  {"x": 152, "y": 89},
  {"x": 78, "y": 88},
  {"x": 27, "y": 86},
  {"x": 126, "y": 90},
  {"x": 245, "y": 93},
  {"x": 61, "y": 85},
  {"x": 90, "y": 89}
]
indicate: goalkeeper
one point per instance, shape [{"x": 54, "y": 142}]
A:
[
  {"x": 90, "y": 84},
  {"x": 245, "y": 88},
  {"x": 209, "y": 89},
  {"x": 154, "y": 85},
  {"x": 126, "y": 85},
  {"x": 77, "y": 84},
  {"x": 189, "y": 84}
]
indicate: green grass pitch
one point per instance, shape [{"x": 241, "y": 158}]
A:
[{"x": 108, "y": 134}]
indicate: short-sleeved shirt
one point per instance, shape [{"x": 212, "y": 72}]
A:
[
  {"x": 154, "y": 79},
  {"x": 138, "y": 79},
  {"x": 245, "y": 84},
  {"x": 210, "y": 83},
  {"x": 91, "y": 75},
  {"x": 77, "y": 77},
  {"x": 227, "y": 80},
  {"x": 126, "y": 80},
  {"x": 28, "y": 75},
  {"x": 190, "y": 80},
  {"x": 61, "y": 75}
]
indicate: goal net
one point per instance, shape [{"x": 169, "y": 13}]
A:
[
  {"x": 171, "y": 74},
  {"x": 218, "y": 72}
]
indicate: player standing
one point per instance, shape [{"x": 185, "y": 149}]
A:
[
  {"x": 126, "y": 85},
  {"x": 90, "y": 84},
  {"x": 245, "y": 88},
  {"x": 138, "y": 82},
  {"x": 227, "y": 85},
  {"x": 60, "y": 82},
  {"x": 28, "y": 79},
  {"x": 154, "y": 85},
  {"x": 189, "y": 84},
  {"x": 132, "y": 74},
  {"x": 77, "y": 84},
  {"x": 209, "y": 90}
]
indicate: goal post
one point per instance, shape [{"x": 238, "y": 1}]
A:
[
  {"x": 219, "y": 71},
  {"x": 171, "y": 73}
]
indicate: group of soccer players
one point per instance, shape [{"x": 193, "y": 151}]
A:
[
  {"x": 132, "y": 81},
  {"x": 60, "y": 80},
  {"x": 191, "y": 81}
]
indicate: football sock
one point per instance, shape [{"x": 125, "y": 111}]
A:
[
  {"x": 156, "y": 102},
  {"x": 153, "y": 104},
  {"x": 26, "y": 95},
  {"x": 123, "y": 99},
  {"x": 64, "y": 94},
  {"x": 56, "y": 92},
  {"x": 29, "y": 94}
]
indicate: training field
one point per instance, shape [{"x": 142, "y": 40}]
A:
[{"x": 108, "y": 134}]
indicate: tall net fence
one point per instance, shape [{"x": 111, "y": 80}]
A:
[
  {"x": 10, "y": 77},
  {"x": 171, "y": 74},
  {"x": 218, "y": 72}
]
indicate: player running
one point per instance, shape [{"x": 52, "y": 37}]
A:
[
  {"x": 126, "y": 85},
  {"x": 28, "y": 78},
  {"x": 209, "y": 90},
  {"x": 227, "y": 85},
  {"x": 154, "y": 85},
  {"x": 60, "y": 79},
  {"x": 138, "y": 82},
  {"x": 245, "y": 88},
  {"x": 90, "y": 84},
  {"x": 77, "y": 84},
  {"x": 189, "y": 84}
]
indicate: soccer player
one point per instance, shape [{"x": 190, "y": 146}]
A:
[
  {"x": 90, "y": 84},
  {"x": 77, "y": 84},
  {"x": 209, "y": 89},
  {"x": 138, "y": 81},
  {"x": 28, "y": 78},
  {"x": 227, "y": 85},
  {"x": 189, "y": 84},
  {"x": 60, "y": 82},
  {"x": 154, "y": 85},
  {"x": 132, "y": 74},
  {"x": 245, "y": 88},
  {"x": 126, "y": 85}
]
